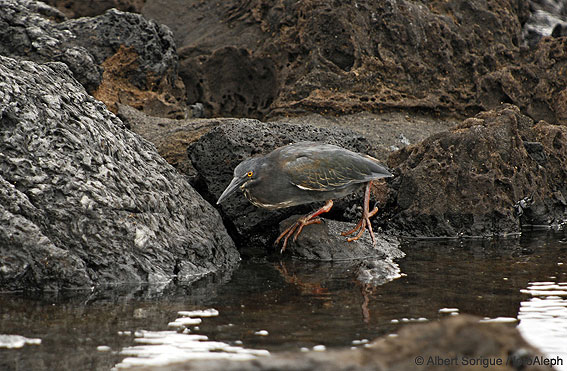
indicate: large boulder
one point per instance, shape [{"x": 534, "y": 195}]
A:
[
  {"x": 84, "y": 201},
  {"x": 117, "y": 56},
  {"x": 536, "y": 85},
  {"x": 27, "y": 32},
  {"x": 480, "y": 177},
  {"x": 217, "y": 153}
]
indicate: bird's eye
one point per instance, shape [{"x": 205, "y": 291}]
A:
[{"x": 250, "y": 173}]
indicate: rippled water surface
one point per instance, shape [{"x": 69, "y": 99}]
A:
[{"x": 268, "y": 305}]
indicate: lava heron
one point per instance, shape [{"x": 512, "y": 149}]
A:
[{"x": 307, "y": 172}]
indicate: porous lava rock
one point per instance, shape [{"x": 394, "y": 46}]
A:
[
  {"x": 271, "y": 57},
  {"x": 217, "y": 153},
  {"x": 265, "y": 58},
  {"x": 461, "y": 338},
  {"x": 470, "y": 180},
  {"x": 84, "y": 201},
  {"x": 117, "y": 56},
  {"x": 26, "y": 32}
]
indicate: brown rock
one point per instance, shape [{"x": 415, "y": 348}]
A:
[
  {"x": 467, "y": 181},
  {"x": 158, "y": 96},
  {"x": 450, "y": 344},
  {"x": 536, "y": 85},
  {"x": 278, "y": 57}
]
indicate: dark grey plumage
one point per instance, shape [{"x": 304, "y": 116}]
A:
[
  {"x": 305, "y": 172},
  {"x": 301, "y": 173}
]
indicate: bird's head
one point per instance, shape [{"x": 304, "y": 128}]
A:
[{"x": 245, "y": 174}]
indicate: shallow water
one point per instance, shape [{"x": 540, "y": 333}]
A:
[{"x": 268, "y": 305}]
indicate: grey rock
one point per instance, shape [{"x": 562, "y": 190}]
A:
[
  {"x": 26, "y": 34},
  {"x": 547, "y": 18},
  {"x": 85, "y": 201},
  {"x": 324, "y": 242},
  {"x": 376, "y": 272},
  {"x": 152, "y": 43},
  {"x": 84, "y": 44},
  {"x": 217, "y": 153}
]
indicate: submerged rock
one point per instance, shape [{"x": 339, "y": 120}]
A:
[
  {"x": 467, "y": 181},
  {"x": 84, "y": 201},
  {"x": 324, "y": 242},
  {"x": 217, "y": 153}
]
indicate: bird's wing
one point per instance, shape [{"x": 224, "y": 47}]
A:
[{"x": 324, "y": 171}]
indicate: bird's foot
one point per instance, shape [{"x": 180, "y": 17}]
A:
[
  {"x": 363, "y": 224},
  {"x": 296, "y": 229}
]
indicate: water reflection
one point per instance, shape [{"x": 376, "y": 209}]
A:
[
  {"x": 543, "y": 318},
  {"x": 293, "y": 305},
  {"x": 161, "y": 348}
]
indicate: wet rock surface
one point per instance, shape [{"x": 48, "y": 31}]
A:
[
  {"x": 324, "y": 242},
  {"x": 217, "y": 153},
  {"x": 373, "y": 264},
  {"x": 467, "y": 181},
  {"x": 117, "y": 56},
  {"x": 84, "y": 200},
  {"x": 461, "y": 337}
]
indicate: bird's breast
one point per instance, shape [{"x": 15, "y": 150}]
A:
[{"x": 265, "y": 203}]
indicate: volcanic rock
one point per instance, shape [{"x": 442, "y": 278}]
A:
[
  {"x": 171, "y": 137},
  {"x": 76, "y": 9},
  {"x": 470, "y": 179},
  {"x": 117, "y": 56},
  {"x": 324, "y": 242},
  {"x": 278, "y": 57},
  {"x": 84, "y": 201}
]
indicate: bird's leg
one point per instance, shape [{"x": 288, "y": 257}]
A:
[
  {"x": 365, "y": 220},
  {"x": 297, "y": 227}
]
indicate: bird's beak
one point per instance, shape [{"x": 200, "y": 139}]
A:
[{"x": 233, "y": 186}]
